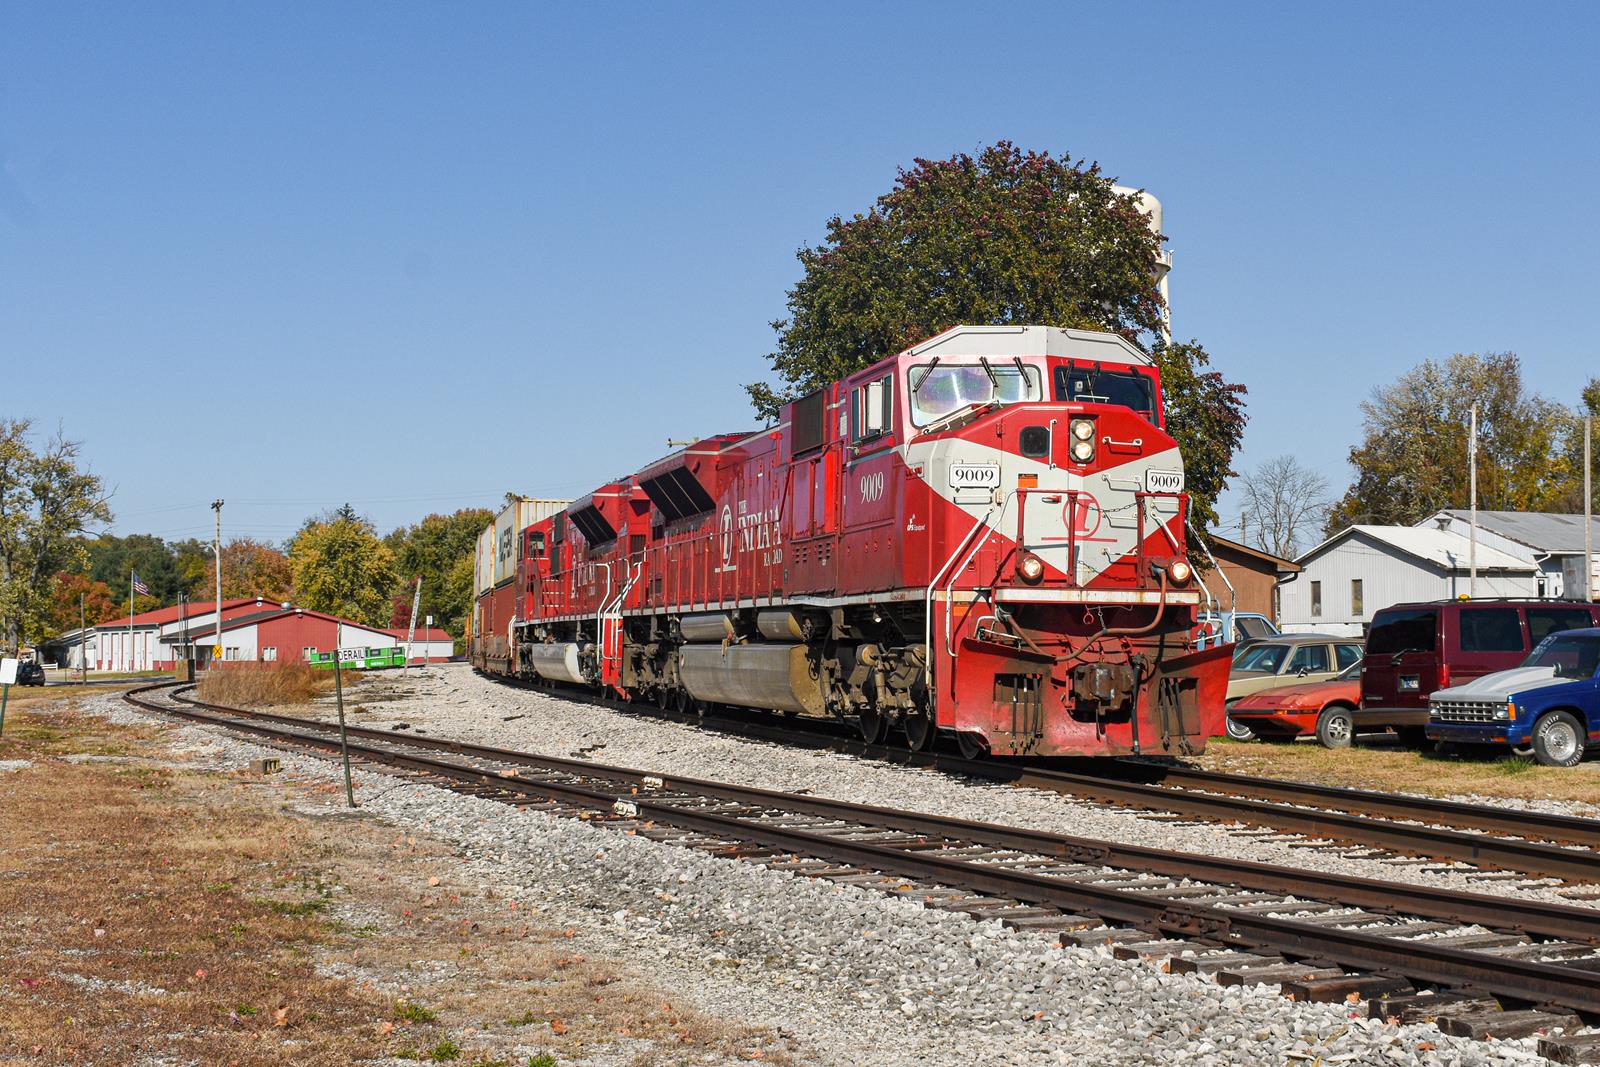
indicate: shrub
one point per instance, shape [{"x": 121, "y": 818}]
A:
[{"x": 263, "y": 684}]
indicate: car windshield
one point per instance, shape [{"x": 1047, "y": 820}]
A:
[
  {"x": 940, "y": 389},
  {"x": 1572, "y": 655},
  {"x": 1265, "y": 658}
]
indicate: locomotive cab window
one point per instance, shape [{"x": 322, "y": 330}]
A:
[
  {"x": 936, "y": 389},
  {"x": 874, "y": 408},
  {"x": 1093, "y": 385}
]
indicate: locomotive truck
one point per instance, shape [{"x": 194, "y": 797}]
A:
[{"x": 981, "y": 536}]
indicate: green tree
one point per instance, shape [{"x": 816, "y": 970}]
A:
[
  {"x": 339, "y": 566},
  {"x": 47, "y": 503},
  {"x": 435, "y": 549},
  {"x": 112, "y": 557},
  {"x": 1004, "y": 237},
  {"x": 1413, "y": 457}
]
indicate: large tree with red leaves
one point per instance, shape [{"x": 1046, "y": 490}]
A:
[{"x": 1006, "y": 236}]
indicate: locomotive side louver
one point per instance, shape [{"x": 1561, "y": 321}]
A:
[
  {"x": 593, "y": 525},
  {"x": 677, "y": 493}
]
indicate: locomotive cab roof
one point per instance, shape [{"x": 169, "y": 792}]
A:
[{"x": 1006, "y": 341}]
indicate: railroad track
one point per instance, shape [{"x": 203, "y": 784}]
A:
[
  {"x": 1540, "y": 845},
  {"x": 1479, "y": 965}
]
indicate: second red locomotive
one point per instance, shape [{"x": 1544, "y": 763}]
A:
[{"x": 983, "y": 535}]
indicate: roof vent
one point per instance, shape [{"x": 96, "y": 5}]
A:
[{"x": 1442, "y": 521}]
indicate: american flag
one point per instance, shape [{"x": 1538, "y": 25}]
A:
[{"x": 139, "y": 587}]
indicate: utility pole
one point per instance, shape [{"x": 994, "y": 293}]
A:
[
  {"x": 83, "y": 645},
  {"x": 1588, "y": 509},
  {"x": 216, "y": 550},
  {"x": 1472, "y": 545}
]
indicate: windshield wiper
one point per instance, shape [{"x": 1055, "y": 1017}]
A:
[
  {"x": 926, "y": 374},
  {"x": 993, "y": 381}
]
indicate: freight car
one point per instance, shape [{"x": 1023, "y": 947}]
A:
[{"x": 983, "y": 536}]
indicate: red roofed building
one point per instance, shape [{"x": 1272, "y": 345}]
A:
[
  {"x": 252, "y": 629},
  {"x": 271, "y": 633}
]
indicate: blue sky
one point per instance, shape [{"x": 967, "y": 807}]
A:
[{"x": 413, "y": 256}]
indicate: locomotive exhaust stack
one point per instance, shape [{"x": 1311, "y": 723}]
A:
[{"x": 982, "y": 536}]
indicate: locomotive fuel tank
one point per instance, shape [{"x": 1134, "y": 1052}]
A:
[
  {"x": 557, "y": 662},
  {"x": 779, "y": 677}
]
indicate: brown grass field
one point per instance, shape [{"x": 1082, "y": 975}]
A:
[
  {"x": 151, "y": 912},
  {"x": 258, "y": 685}
]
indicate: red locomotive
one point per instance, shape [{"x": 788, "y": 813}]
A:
[{"x": 983, "y": 535}]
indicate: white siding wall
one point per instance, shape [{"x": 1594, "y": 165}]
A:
[
  {"x": 1549, "y": 566},
  {"x": 113, "y": 651},
  {"x": 1388, "y": 576}
]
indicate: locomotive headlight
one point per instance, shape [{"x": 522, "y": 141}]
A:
[
  {"x": 1180, "y": 572},
  {"x": 1030, "y": 569},
  {"x": 1082, "y": 431}
]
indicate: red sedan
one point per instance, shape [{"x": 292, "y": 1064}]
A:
[{"x": 1325, "y": 708}]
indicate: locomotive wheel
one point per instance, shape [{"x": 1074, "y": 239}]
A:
[
  {"x": 920, "y": 731},
  {"x": 971, "y": 744},
  {"x": 872, "y": 724}
]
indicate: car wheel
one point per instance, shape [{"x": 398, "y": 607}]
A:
[
  {"x": 1335, "y": 727},
  {"x": 1238, "y": 731},
  {"x": 1558, "y": 740}
]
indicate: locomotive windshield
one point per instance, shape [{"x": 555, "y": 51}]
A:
[
  {"x": 1128, "y": 389},
  {"x": 940, "y": 389}
]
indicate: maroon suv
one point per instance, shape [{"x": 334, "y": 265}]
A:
[{"x": 1413, "y": 649}]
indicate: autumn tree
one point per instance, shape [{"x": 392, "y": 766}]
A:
[
  {"x": 1413, "y": 457},
  {"x": 97, "y": 604},
  {"x": 1004, "y": 237},
  {"x": 436, "y": 549},
  {"x": 250, "y": 568},
  {"x": 339, "y": 566},
  {"x": 47, "y": 503},
  {"x": 1284, "y": 505}
]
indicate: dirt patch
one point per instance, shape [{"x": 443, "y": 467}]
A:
[
  {"x": 1381, "y": 764},
  {"x": 151, "y": 912}
]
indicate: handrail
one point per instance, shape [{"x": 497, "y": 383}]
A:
[{"x": 927, "y": 622}]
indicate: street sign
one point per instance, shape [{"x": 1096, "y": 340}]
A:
[{"x": 8, "y": 671}]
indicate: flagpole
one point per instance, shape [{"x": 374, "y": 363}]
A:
[{"x": 130, "y": 618}]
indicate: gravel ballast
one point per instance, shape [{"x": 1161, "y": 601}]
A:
[{"x": 858, "y": 976}]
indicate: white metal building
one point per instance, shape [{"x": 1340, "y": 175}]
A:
[
  {"x": 1550, "y": 541},
  {"x": 1364, "y": 569}
]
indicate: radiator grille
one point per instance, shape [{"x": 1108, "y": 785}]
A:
[{"x": 1465, "y": 710}]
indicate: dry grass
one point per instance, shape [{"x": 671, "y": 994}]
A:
[
  {"x": 258, "y": 685},
  {"x": 1379, "y": 763},
  {"x": 126, "y": 933},
  {"x": 149, "y": 913}
]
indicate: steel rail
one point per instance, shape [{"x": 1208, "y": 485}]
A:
[
  {"x": 1506, "y": 913},
  {"x": 1527, "y": 981},
  {"x": 1571, "y": 829},
  {"x": 1533, "y": 857}
]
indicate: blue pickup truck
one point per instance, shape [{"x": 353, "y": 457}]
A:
[{"x": 1550, "y": 705}]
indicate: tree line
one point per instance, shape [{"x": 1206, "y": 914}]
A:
[
  {"x": 53, "y": 563},
  {"x": 1413, "y": 459}
]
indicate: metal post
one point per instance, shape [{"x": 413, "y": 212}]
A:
[
  {"x": 1472, "y": 546},
  {"x": 5, "y": 693},
  {"x": 216, "y": 550},
  {"x": 344, "y": 745},
  {"x": 83, "y": 645},
  {"x": 1588, "y": 509},
  {"x": 130, "y": 620}
]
